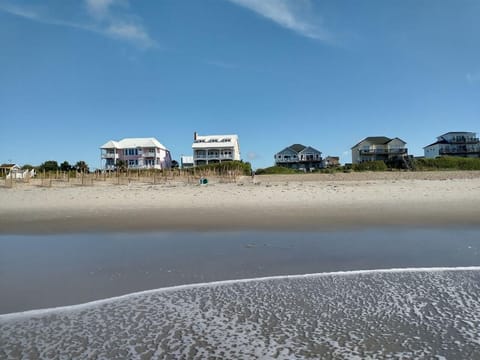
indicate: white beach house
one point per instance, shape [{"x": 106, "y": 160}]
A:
[
  {"x": 186, "y": 162},
  {"x": 211, "y": 149},
  {"x": 455, "y": 143},
  {"x": 378, "y": 148},
  {"x": 138, "y": 153}
]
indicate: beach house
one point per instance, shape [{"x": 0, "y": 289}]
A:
[
  {"x": 382, "y": 148},
  {"x": 331, "y": 161},
  {"x": 6, "y": 169},
  {"x": 455, "y": 143},
  {"x": 209, "y": 149},
  {"x": 186, "y": 162},
  {"x": 300, "y": 157},
  {"x": 136, "y": 153}
]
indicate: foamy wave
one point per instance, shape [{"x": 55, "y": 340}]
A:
[
  {"x": 38, "y": 312},
  {"x": 387, "y": 313}
]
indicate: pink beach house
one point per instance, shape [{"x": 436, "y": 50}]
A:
[{"x": 138, "y": 153}]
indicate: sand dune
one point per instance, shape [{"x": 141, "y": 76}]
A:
[{"x": 311, "y": 201}]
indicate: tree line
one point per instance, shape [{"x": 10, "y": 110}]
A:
[{"x": 52, "y": 166}]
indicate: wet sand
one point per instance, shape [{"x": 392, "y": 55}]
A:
[
  {"x": 55, "y": 270},
  {"x": 306, "y": 202}
]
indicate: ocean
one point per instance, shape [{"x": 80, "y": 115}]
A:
[{"x": 371, "y": 293}]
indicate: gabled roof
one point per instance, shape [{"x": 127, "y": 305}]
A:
[
  {"x": 133, "y": 143},
  {"x": 110, "y": 144},
  {"x": 443, "y": 141},
  {"x": 8, "y": 166},
  {"x": 297, "y": 147},
  {"x": 378, "y": 140},
  {"x": 309, "y": 148}
]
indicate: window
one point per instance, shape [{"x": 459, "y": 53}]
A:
[{"x": 130, "y": 152}]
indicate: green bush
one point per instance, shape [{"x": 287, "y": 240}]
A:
[
  {"x": 277, "y": 170},
  {"x": 370, "y": 166},
  {"x": 448, "y": 163},
  {"x": 244, "y": 167}
]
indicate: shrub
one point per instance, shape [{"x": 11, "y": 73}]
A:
[
  {"x": 244, "y": 167},
  {"x": 448, "y": 163},
  {"x": 370, "y": 166},
  {"x": 277, "y": 170}
]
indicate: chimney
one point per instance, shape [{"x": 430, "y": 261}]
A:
[{"x": 195, "y": 136}]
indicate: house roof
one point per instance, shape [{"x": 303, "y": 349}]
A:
[
  {"x": 215, "y": 141},
  {"x": 133, "y": 143},
  {"x": 443, "y": 141},
  {"x": 8, "y": 166},
  {"x": 216, "y": 137},
  {"x": 377, "y": 140},
  {"x": 457, "y": 132},
  {"x": 297, "y": 147}
]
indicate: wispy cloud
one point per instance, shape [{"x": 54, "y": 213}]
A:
[
  {"x": 294, "y": 15},
  {"x": 99, "y": 8},
  {"x": 103, "y": 19},
  {"x": 473, "y": 77}
]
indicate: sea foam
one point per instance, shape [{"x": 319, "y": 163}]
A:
[{"x": 391, "y": 313}]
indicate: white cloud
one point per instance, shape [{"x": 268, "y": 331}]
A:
[
  {"x": 131, "y": 32},
  {"x": 18, "y": 11},
  {"x": 295, "y": 15},
  {"x": 98, "y": 8},
  {"x": 116, "y": 24},
  {"x": 122, "y": 26},
  {"x": 473, "y": 77}
]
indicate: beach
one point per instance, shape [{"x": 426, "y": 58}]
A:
[
  {"x": 316, "y": 265},
  {"x": 269, "y": 202}
]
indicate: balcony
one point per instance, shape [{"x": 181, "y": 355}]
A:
[
  {"x": 383, "y": 151},
  {"x": 459, "y": 151},
  {"x": 109, "y": 156},
  {"x": 296, "y": 160},
  {"x": 149, "y": 154},
  {"x": 464, "y": 140},
  {"x": 212, "y": 157},
  {"x": 286, "y": 160}
]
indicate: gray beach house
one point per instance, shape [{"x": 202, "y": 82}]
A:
[{"x": 299, "y": 157}]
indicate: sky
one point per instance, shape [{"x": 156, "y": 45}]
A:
[{"x": 75, "y": 74}]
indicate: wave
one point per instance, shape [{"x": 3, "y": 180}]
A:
[{"x": 95, "y": 303}]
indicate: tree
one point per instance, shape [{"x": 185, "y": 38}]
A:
[
  {"x": 27, "y": 167},
  {"x": 121, "y": 165},
  {"x": 82, "y": 166},
  {"x": 50, "y": 165},
  {"x": 65, "y": 166}
]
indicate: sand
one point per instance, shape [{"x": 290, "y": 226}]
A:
[{"x": 286, "y": 202}]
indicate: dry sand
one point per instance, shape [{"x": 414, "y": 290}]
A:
[{"x": 297, "y": 202}]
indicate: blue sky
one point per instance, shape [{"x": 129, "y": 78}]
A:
[{"x": 77, "y": 73}]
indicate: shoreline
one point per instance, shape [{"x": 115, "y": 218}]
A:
[
  {"x": 310, "y": 203},
  {"x": 19, "y": 315}
]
